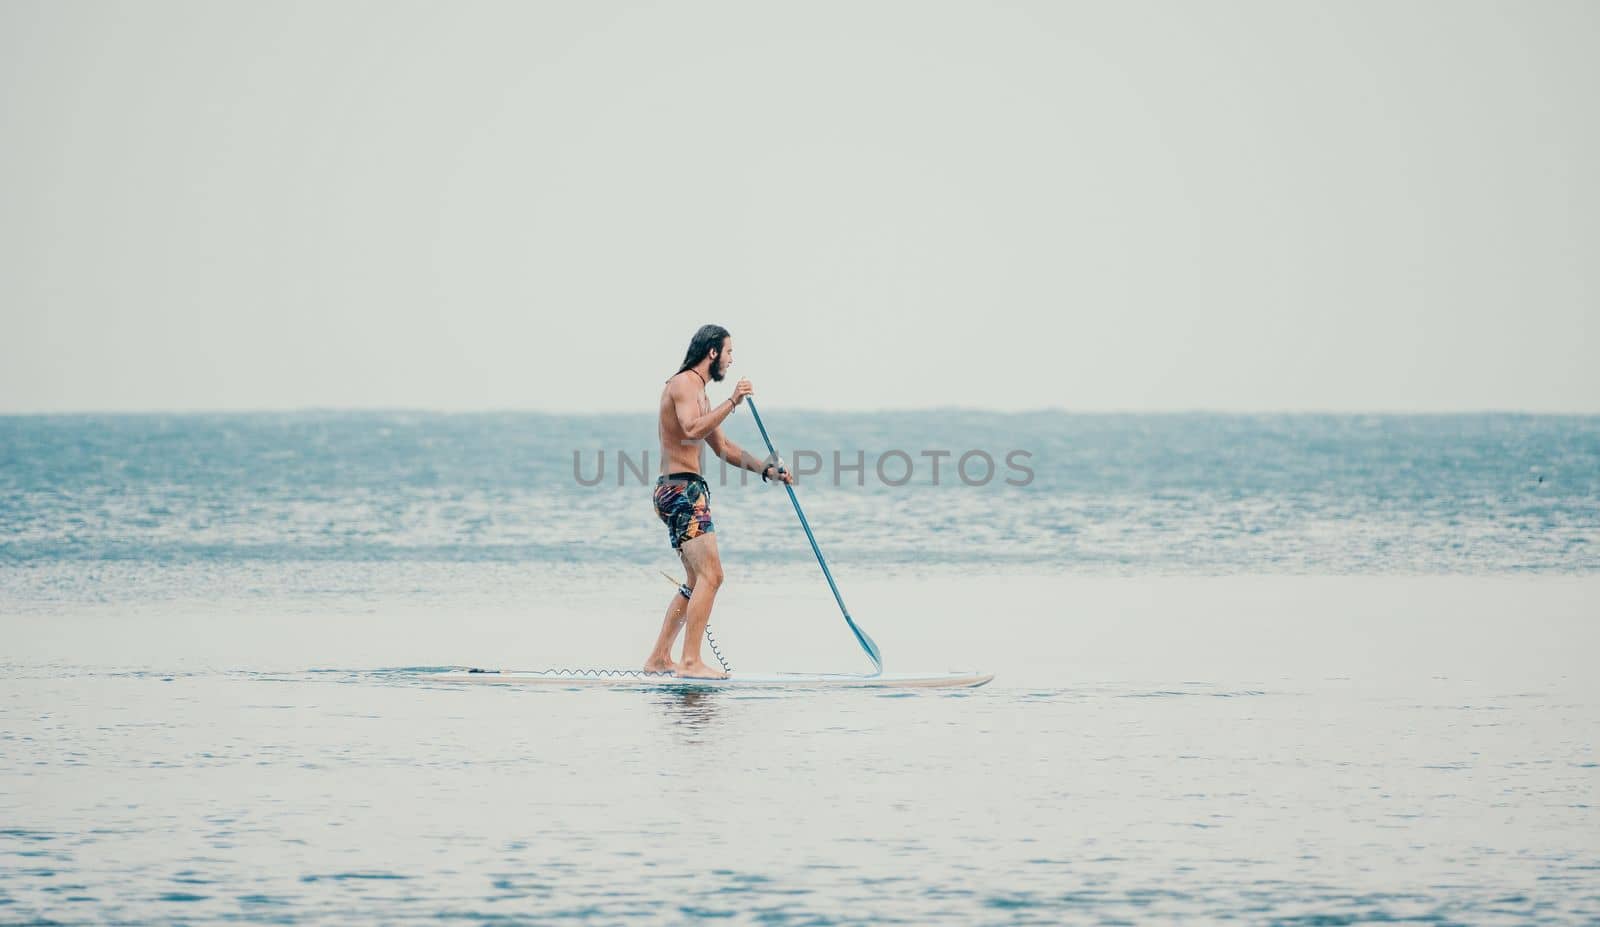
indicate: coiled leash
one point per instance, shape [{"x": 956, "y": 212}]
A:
[{"x": 684, "y": 590}]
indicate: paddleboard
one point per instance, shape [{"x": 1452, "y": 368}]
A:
[{"x": 639, "y": 679}]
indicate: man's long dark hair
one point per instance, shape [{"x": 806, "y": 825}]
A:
[{"x": 704, "y": 340}]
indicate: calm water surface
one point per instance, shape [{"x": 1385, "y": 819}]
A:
[
  {"x": 1267, "y": 669},
  {"x": 1284, "y": 750}
]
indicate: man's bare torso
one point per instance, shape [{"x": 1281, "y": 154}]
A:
[{"x": 679, "y": 452}]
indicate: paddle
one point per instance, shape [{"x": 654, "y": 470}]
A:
[{"x": 861, "y": 636}]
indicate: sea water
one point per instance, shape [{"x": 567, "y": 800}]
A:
[{"x": 1275, "y": 669}]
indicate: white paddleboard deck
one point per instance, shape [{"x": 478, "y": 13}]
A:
[{"x": 638, "y": 679}]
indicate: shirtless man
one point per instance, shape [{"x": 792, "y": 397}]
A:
[{"x": 688, "y": 423}]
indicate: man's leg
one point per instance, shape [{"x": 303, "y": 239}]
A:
[
  {"x": 660, "y": 659},
  {"x": 701, "y": 558}
]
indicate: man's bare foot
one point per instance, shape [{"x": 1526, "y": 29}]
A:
[
  {"x": 698, "y": 670},
  {"x": 660, "y": 665}
]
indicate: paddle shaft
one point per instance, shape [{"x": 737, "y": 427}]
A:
[{"x": 861, "y": 636}]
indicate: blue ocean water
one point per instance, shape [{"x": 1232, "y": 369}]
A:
[
  {"x": 1133, "y": 493},
  {"x": 1267, "y": 669}
]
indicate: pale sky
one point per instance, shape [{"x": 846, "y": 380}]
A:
[{"x": 1098, "y": 206}]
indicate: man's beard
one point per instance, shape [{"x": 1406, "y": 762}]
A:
[{"x": 717, "y": 373}]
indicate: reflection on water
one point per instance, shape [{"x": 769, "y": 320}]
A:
[{"x": 692, "y": 710}]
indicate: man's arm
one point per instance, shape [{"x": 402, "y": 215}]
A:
[
  {"x": 696, "y": 426},
  {"x": 733, "y": 453}
]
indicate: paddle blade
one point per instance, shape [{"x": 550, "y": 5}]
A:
[{"x": 867, "y": 644}]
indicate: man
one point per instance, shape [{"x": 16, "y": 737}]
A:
[{"x": 688, "y": 423}]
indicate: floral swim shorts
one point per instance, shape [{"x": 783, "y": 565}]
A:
[{"x": 683, "y": 502}]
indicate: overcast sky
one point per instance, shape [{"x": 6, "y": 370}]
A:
[{"x": 1098, "y": 206}]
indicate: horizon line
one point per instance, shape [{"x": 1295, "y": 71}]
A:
[{"x": 199, "y": 411}]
